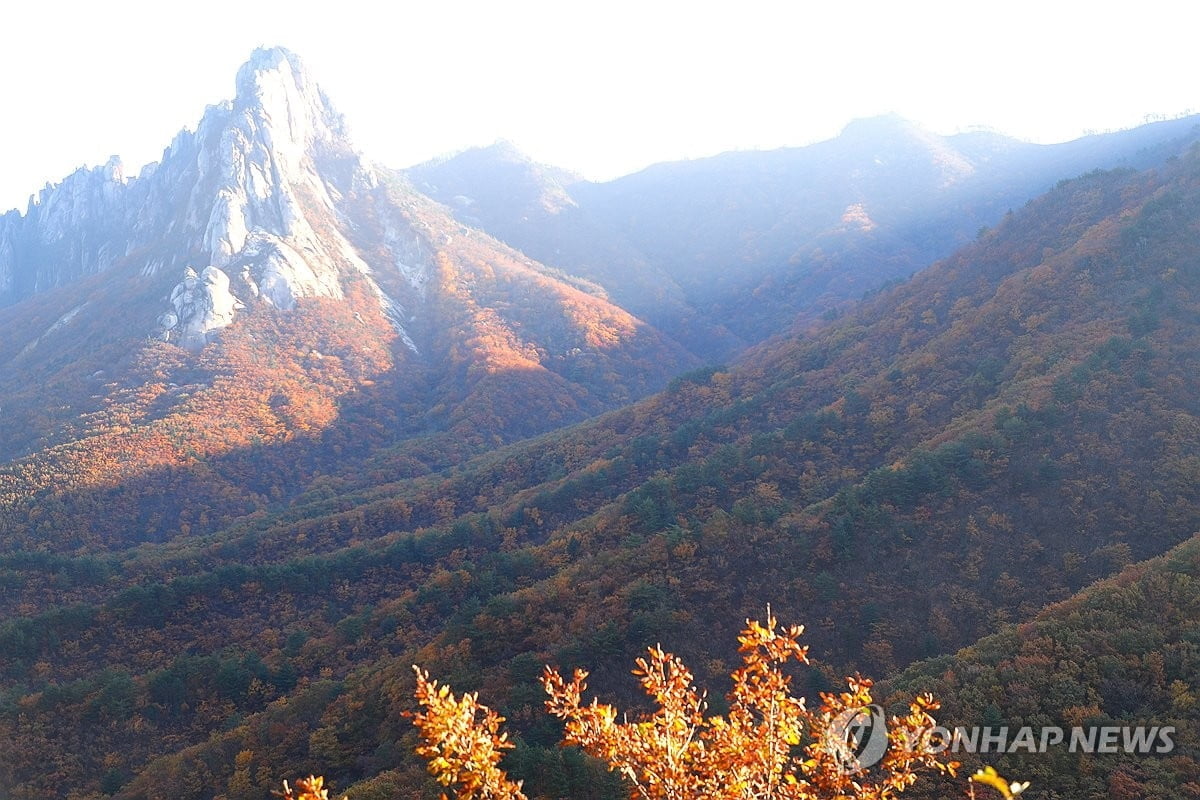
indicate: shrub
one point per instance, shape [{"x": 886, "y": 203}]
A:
[{"x": 769, "y": 745}]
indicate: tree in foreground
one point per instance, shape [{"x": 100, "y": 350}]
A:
[{"x": 769, "y": 746}]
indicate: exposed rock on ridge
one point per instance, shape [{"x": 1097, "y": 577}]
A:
[
  {"x": 73, "y": 228},
  {"x": 200, "y": 304},
  {"x": 255, "y": 192}
]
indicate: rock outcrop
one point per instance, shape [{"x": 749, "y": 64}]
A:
[
  {"x": 200, "y": 304},
  {"x": 71, "y": 229},
  {"x": 255, "y": 192}
]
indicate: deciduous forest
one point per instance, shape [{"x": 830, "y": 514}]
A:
[{"x": 492, "y": 443}]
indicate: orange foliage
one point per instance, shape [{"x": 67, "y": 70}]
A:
[
  {"x": 310, "y": 788},
  {"x": 769, "y": 745},
  {"x": 463, "y": 742}
]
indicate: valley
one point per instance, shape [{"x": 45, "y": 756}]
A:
[{"x": 933, "y": 397}]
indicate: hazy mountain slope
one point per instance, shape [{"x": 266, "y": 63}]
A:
[
  {"x": 780, "y": 231},
  {"x": 748, "y": 241},
  {"x": 1012, "y": 424},
  {"x": 499, "y": 190}
]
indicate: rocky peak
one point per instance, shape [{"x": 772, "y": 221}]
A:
[
  {"x": 277, "y": 92},
  {"x": 81, "y": 193},
  {"x": 257, "y": 194},
  {"x": 277, "y": 151},
  {"x": 69, "y": 229}
]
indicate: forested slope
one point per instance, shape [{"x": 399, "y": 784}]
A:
[
  {"x": 1012, "y": 424},
  {"x": 1123, "y": 652}
]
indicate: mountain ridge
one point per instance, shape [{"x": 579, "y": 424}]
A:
[
  {"x": 944, "y": 459},
  {"x": 792, "y": 233},
  {"x": 223, "y": 546}
]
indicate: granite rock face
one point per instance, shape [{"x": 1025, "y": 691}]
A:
[
  {"x": 200, "y": 304},
  {"x": 256, "y": 194},
  {"x": 75, "y": 228}
]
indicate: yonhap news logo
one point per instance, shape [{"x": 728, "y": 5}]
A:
[
  {"x": 1128, "y": 739},
  {"x": 858, "y": 739}
]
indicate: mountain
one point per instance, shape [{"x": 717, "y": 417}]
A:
[
  {"x": 1012, "y": 424},
  {"x": 265, "y": 284},
  {"x": 726, "y": 251},
  {"x": 241, "y": 194},
  {"x": 532, "y": 207}
]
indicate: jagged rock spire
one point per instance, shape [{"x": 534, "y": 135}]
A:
[
  {"x": 255, "y": 192},
  {"x": 275, "y": 87}
]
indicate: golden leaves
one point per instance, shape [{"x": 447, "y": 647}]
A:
[
  {"x": 770, "y": 744},
  {"x": 463, "y": 742},
  {"x": 989, "y": 777},
  {"x": 310, "y": 788}
]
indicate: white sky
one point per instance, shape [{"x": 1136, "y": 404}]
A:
[{"x": 604, "y": 88}]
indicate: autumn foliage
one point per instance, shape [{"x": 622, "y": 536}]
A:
[
  {"x": 310, "y": 788},
  {"x": 769, "y": 745},
  {"x": 463, "y": 742}
]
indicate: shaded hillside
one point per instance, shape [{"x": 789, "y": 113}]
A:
[
  {"x": 1009, "y": 426},
  {"x": 1123, "y": 652},
  {"x": 745, "y": 242}
]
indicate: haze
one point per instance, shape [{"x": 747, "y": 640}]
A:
[{"x": 604, "y": 89}]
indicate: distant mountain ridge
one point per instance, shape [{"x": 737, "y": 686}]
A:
[{"x": 726, "y": 251}]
